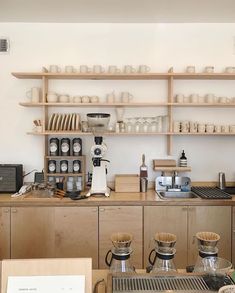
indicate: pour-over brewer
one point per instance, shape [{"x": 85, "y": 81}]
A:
[
  {"x": 163, "y": 260},
  {"x": 98, "y": 123},
  {"x": 119, "y": 262}
]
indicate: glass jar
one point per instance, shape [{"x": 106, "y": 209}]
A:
[{"x": 65, "y": 147}]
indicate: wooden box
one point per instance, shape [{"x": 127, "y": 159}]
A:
[{"x": 127, "y": 183}]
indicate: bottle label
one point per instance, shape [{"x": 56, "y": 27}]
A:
[
  {"x": 76, "y": 147},
  {"x": 64, "y": 147},
  {"x": 53, "y": 147}
]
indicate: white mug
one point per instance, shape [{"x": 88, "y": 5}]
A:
[
  {"x": 77, "y": 99},
  {"x": 179, "y": 98},
  {"x": 64, "y": 98},
  {"x": 201, "y": 99},
  {"x": 98, "y": 69},
  {"x": 52, "y": 97},
  {"x": 84, "y": 69},
  {"x": 94, "y": 99},
  {"x": 201, "y": 127},
  {"x": 85, "y": 99},
  {"x": 126, "y": 97},
  {"x": 230, "y": 69},
  {"x": 186, "y": 99},
  {"x": 190, "y": 69},
  {"x": 210, "y": 98},
  {"x": 209, "y": 69},
  {"x": 54, "y": 69},
  {"x": 194, "y": 98},
  {"x": 144, "y": 68},
  {"x": 110, "y": 98},
  {"x": 69, "y": 69},
  {"x": 128, "y": 69},
  {"x": 222, "y": 100},
  {"x": 113, "y": 69},
  {"x": 34, "y": 95}
]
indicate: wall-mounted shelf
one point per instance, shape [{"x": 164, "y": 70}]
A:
[{"x": 172, "y": 169}]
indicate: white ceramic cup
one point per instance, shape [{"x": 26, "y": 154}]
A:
[
  {"x": 201, "y": 127},
  {"x": 179, "y": 98},
  {"x": 111, "y": 98},
  {"x": 64, "y": 98},
  {"x": 210, "y": 98},
  {"x": 85, "y": 99},
  {"x": 98, "y": 69},
  {"x": 126, "y": 97},
  {"x": 232, "y": 128},
  {"x": 190, "y": 69},
  {"x": 209, "y": 69},
  {"x": 69, "y": 69},
  {"x": 185, "y": 126},
  {"x": 186, "y": 99},
  {"x": 222, "y": 100},
  {"x": 84, "y": 69},
  {"x": 218, "y": 128},
  {"x": 194, "y": 98},
  {"x": 54, "y": 69},
  {"x": 77, "y": 99},
  {"x": 128, "y": 69},
  {"x": 176, "y": 126},
  {"x": 113, "y": 69},
  {"x": 94, "y": 99},
  {"x": 52, "y": 97},
  {"x": 230, "y": 69},
  {"x": 192, "y": 127},
  {"x": 143, "y": 68},
  {"x": 210, "y": 128},
  {"x": 225, "y": 128},
  {"x": 201, "y": 99},
  {"x": 33, "y": 94}
]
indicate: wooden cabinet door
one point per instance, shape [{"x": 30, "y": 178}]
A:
[
  {"x": 4, "y": 233},
  {"x": 171, "y": 219},
  {"x": 120, "y": 219},
  {"x": 76, "y": 232},
  {"x": 213, "y": 219},
  {"x": 233, "y": 237},
  {"x": 32, "y": 232}
]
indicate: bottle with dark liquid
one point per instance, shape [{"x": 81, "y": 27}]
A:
[{"x": 183, "y": 160}]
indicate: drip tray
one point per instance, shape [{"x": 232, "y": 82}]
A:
[{"x": 135, "y": 283}]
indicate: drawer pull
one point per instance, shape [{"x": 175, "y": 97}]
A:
[{"x": 14, "y": 210}]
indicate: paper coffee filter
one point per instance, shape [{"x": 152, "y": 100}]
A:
[
  {"x": 165, "y": 237},
  {"x": 121, "y": 240},
  {"x": 208, "y": 236}
]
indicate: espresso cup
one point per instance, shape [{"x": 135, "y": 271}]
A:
[
  {"x": 54, "y": 69},
  {"x": 64, "y": 98},
  {"x": 110, "y": 98},
  {"x": 128, "y": 69},
  {"x": 69, "y": 69},
  {"x": 85, "y": 99},
  {"x": 210, "y": 128},
  {"x": 209, "y": 69},
  {"x": 98, "y": 69},
  {"x": 190, "y": 69},
  {"x": 84, "y": 69},
  {"x": 126, "y": 97},
  {"x": 94, "y": 99},
  {"x": 179, "y": 98},
  {"x": 201, "y": 127},
  {"x": 113, "y": 69},
  {"x": 33, "y": 94},
  {"x": 143, "y": 68},
  {"x": 52, "y": 97}
]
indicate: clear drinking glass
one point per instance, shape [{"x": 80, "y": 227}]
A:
[
  {"x": 153, "y": 124},
  {"x": 146, "y": 125},
  {"x": 129, "y": 125},
  {"x": 137, "y": 124}
]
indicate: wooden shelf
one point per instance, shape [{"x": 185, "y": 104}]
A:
[
  {"x": 122, "y": 76},
  {"x": 64, "y": 157},
  {"x": 94, "y": 104},
  {"x": 89, "y": 133},
  {"x": 172, "y": 169},
  {"x": 222, "y": 105},
  {"x": 64, "y": 174},
  {"x": 204, "y": 134}
]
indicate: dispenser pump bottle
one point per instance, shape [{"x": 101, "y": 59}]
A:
[{"x": 183, "y": 160}]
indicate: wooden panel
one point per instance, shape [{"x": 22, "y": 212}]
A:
[
  {"x": 76, "y": 232},
  {"x": 32, "y": 232},
  {"x": 120, "y": 219},
  {"x": 4, "y": 233},
  {"x": 213, "y": 219},
  {"x": 233, "y": 237},
  {"x": 47, "y": 267},
  {"x": 171, "y": 219}
]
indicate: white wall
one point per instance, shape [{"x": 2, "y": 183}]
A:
[{"x": 158, "y": 45}]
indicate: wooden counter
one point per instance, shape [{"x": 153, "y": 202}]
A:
[{"x": 41, "y": 198}]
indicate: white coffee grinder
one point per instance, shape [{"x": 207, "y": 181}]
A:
[{"x": 98, "y": 123}]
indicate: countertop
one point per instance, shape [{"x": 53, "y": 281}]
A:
[{"x": 41, "y": 198}]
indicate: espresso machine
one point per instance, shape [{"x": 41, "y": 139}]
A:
[
  {"x": 164, "y": 251},
  {"x": 98, "y": 123}
]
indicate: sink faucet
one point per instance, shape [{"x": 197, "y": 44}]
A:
[{"x": 174, "y": 187}]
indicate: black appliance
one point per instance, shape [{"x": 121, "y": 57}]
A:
[
  {"x": 11, "y": 177},
  {"x": 207, "y": 192}
]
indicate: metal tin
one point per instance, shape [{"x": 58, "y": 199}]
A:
[
  {"x": 64, "y": 166},
  {"x": 65, "y": 147},
  {"x": 54, "y": 146},
  {"x": 77, "y": 147},
  {"x": 76, "y": 166},
  {"x": 51, "y": 166}
]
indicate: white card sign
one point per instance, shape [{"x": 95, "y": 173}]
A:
[{"x": 46, "y": 284}]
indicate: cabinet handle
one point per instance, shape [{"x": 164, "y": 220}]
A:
[
  {"x": 14, "y": 210},
  {"x": 191, "y": 209},
  {"x": 184, "y": 209},
  {"x": 94, "y": 210},
  {"x": 101, "y": 209},
  {"x": 6, "y": 211}
]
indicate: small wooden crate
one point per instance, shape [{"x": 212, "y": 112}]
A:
[{"x": 127, "y": 183}]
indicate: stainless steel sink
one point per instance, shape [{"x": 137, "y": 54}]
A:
[{"x": 176, "y": 194}]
